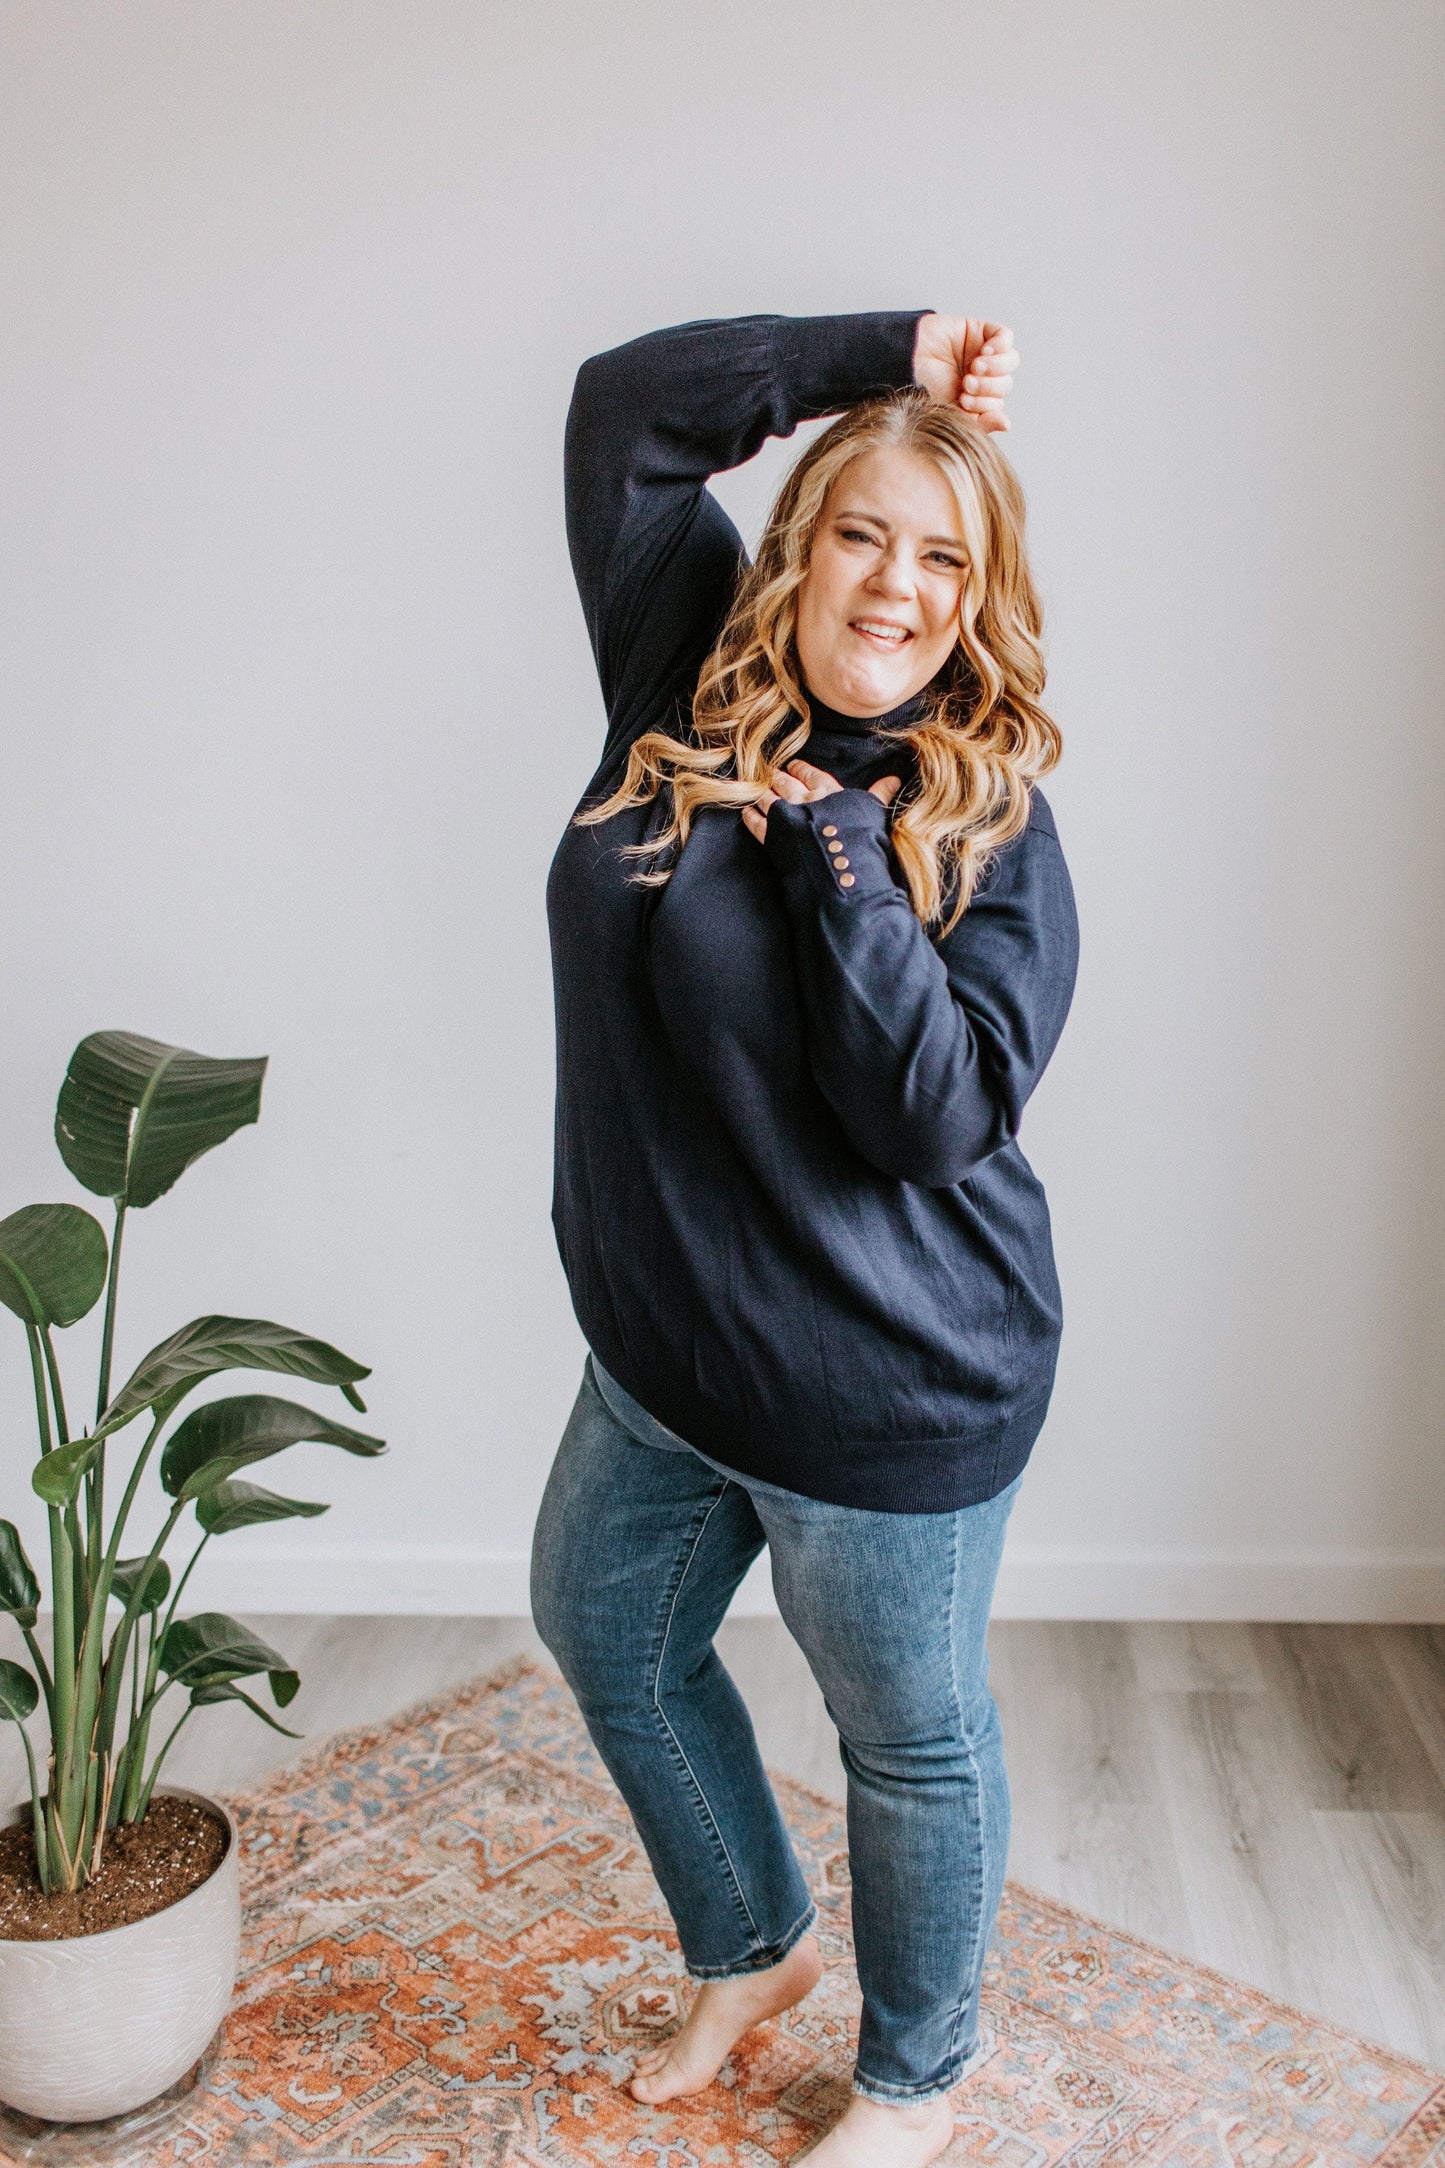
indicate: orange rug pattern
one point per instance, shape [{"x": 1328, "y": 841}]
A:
[{"x": 454, "y": 1949}]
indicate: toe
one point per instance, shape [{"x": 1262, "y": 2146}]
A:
[
  {"x": 666, "y": 2082},
  {"x": 659, "y": 2086}
]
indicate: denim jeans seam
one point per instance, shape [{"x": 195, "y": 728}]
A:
[
  {"x": 977, "y": 1851},
  {"x": 938, "y": 2085},
  {"x": 676, "y": 1744},
  {"x": 935, "y": 2086}
]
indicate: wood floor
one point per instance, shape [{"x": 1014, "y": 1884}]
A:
[{"x": 1268, "y": 1799}]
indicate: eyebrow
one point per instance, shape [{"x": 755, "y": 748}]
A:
[{"x": 950, "y": 541}]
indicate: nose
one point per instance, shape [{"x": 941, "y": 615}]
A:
[{"x": 893, "y": 576}]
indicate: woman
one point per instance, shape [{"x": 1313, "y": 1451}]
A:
[{"x": 814, "y": 942}]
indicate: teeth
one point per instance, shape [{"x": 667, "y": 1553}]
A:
[{"x": 885, "y": 632}]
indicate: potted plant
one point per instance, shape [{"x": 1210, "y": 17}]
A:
[{"x": 119, "y": 1899}]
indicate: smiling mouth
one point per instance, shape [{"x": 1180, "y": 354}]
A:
[{"x": 879, "y": 632}]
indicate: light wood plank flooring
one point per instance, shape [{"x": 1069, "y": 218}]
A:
[{"x": 1268, "y": 1799}]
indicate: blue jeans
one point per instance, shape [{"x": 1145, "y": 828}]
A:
[{"x": 640, "y": 1543}]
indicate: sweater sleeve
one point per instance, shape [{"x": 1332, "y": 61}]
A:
[
  {"x": 655, "y": 556},
  {"x": 926, "y": 1050}
]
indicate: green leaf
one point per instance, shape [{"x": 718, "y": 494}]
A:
[
  {"x": 19, "y": 1589},
  {"x": 57, "y": 1477},
  {"x": 211, "y": 1650},
  {"x": 18, "y": 1692},
  {"x": 133, "y": 1114},
  {"x": 228, "y": 1435},
  {"x": 52, "y": 1263},
  {"x": 209, "y": 1345},
  {"x": 206, "y": 1697},
  {"x": 127, "y": 1573},
  {"x": 229, "y": 1505}
]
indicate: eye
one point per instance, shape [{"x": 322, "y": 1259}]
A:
[
  {"x": 856, "y": 534},
  {"x": 942, "y": 557}
]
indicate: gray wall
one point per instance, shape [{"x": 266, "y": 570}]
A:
[{"x": 297, "y": 697}]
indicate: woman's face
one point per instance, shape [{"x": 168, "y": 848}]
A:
[{"x": 878, "y": 606}]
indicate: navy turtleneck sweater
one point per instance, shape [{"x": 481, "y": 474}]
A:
[{"x": 793, "y": 1213}]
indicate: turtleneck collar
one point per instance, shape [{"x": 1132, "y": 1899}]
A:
[{"x": 865, "y": 726}]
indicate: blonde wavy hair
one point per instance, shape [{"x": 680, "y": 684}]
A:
[{"x": 983, "y": 737}]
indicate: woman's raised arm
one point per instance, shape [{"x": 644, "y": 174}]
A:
[{"x": 655, "y": 556}]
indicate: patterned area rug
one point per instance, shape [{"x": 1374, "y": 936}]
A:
[{"x": 454, "y": 1949}]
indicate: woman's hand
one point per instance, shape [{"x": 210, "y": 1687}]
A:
[
  {"x": 966, "y": 363},
  {"x": 800, "y": 783}
]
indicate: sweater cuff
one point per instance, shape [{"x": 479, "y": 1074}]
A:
[
  {"x": 826, "y": 363},
  {"x": 834, "y": 848}
]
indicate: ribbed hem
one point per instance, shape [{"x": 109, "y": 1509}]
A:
[
  {"x": 889, "y": 1475},
  {"x": 882, "y": 1475},
  {"x": 765, "y": 1960}
]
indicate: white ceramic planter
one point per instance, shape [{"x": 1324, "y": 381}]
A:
[{"x": 96, "y": 2025}]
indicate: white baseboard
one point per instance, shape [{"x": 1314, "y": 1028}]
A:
[
  {"x": 1349, "y": 1587},
  {"x": 1036, "y": 1583}
]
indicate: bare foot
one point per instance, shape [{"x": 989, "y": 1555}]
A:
[
  {"x": 872, "y": 2136},
  {"x": 722, "y": 2011}
]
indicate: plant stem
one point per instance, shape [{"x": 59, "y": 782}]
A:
[
  {"x": 150, "y": 1783},
  {"x": 95, "y": 1481},
  {"x": 154, "y": 1699},
  {"x": 85, "y": 1843},
  {"x": 94, "y": 1518},
  {"x": 127, "y": 1804},
  {"x": 62, "y": 1428},
  {"x": 72, "y": 1785},
  {"x": 127, "y": 1499},
  {"x": 62, "y": 1866},
  {"x": 101, "y": 1674},
  {"x": 102, "y": 1815},
  {"x": 180, "y": 1585},
  {"x": 80, "y": 1577},
  {"x": 114, "y": 1675},
  {"x": 123, "y": 1792},
  {"x": 42, "y": 1405},
  {"x": 37, "y": 1657},
  {"x": 120, "y": 1782},
  {"x": 42, "y": 1850},
  {"x": 128, "y": 1795},
  {"x": 130, "y": 1804},
  {"x": 107, "y": 1338},
  {"x": 126, "y": 1790},
  {"x": 80, "y": 1548},
  {"x": 62, "y": 1622}
]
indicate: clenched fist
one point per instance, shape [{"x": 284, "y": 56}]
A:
[{"x": 967, "y": 363}]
